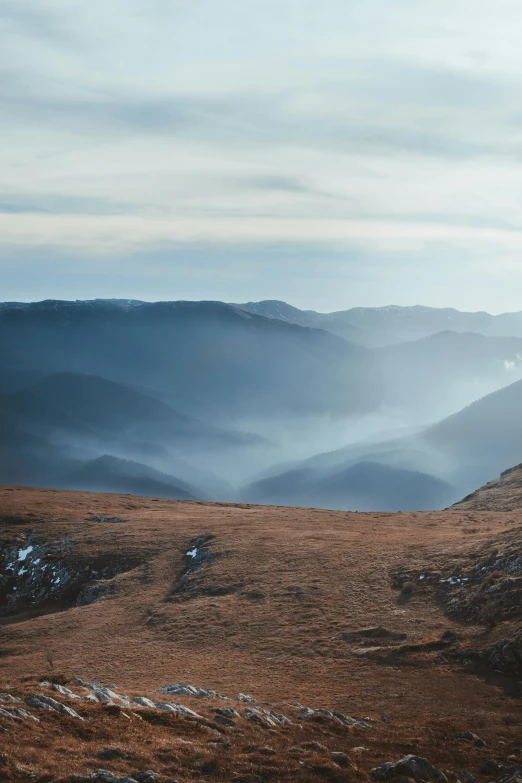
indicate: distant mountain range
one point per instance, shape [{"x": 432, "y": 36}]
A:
[
  {"x": 363, "y": 486},
  {"x": 110, "y": 474},
  {"x": 215, "y": 358},
  {"x": 206, "y": 400},
  {"x": 377, "y": 326},
  {"x": 463, "y": 451}
]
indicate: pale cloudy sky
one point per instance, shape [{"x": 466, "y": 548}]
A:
[{"x": 331, "y": 153}]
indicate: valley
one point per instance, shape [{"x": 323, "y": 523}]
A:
[{"x": 400, "y": 409}]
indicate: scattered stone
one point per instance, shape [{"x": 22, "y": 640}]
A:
[
  {"x": 314, "y": 746},
  {"x": 109, "y": 754},
  {"x": 60, "y": 689},
  {"x": 104, "y": 776},
  {"x": 190, "y": 690},
  {"x": 471, "y": 737},
  {"x": 161, "y": 706},
  {"x": 375, "y": 633},
  {"x": 259, "y": 717},
  {"x": 144, "y": 702},
  {"x": 341, "y": 759},
  {"x": 108, "y": 519},
  {"x": 309, "y": 714},
  {"x": 106, "y": 696},
  {"x": 414, "y": 767},
  {"x": 148, "y": 777},
  {"x": 224, "y": 721},
  {"x": 227, "y": 712},
  {"x": 246, "y": 698},
  {"x": 280, "y": 718},
  {"x": 46, "y": 703},
  {"x": 9, "y": 699}
]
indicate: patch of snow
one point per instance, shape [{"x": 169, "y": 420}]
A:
[
  {"x": 455, "y": 580},
  {"x": 22, "y": 571},
  {"x": 22, "y": 554},
  {"x": 192, "y": 552}
]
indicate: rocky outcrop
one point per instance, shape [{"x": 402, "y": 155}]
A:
[
  {"x": 47, "y": 703},
  {"x": 35, "y": 574}
]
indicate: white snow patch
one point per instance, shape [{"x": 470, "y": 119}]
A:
[
  {"x": 22, "y": 554},
  {"x": 192, "y": 552}
]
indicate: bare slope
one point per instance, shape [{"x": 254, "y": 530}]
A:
[{"x": 502, "y": 494}]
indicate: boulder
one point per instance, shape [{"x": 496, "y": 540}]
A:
[
  {"x": 469, "y": 736},
  {"x": 414, "y": 767},
  {"x": 341, "y": 759},
  {"x": 47, "y": 703}
]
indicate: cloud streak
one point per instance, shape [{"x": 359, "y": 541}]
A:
[{"x": 129, "y": 125}]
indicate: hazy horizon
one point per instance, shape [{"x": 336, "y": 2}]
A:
[{"x": 304, "y": 307}]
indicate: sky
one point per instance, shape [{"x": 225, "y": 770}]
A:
[{"x": 331, "y": 154}]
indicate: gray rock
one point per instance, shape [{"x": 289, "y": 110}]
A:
[
  {"x": 189, "y": 690},
  {"x": 9, "y": 699},
  {"x": 246, "y": 698},
  {"x": 104, "y": 776},
  {"x": 313, "y": 745},
  {"x": 46, "y": 703},
  {"x": 144, "y": 702},
  {"x": 341, "y": 759},
  {"x": 25, "y": 715},
  {"x": 258, "y": 717},
  {"x": 94, "y": 591},
  {"x": 280, "y": 718},
  {"x": 109, "y": 754},
  {"x": 107, "y": 696},
  {"x": 376, "y": 633},
  {"x": 346, "y": 719},
  {"x": 410, "y": 766},
  {"x": 224, "y": 721},
  {"x": 148, "y": 777},
  {"x": 491, "y": 767},
  {"x": 227, "y": 712},
  {"x": 470, "y": 737}
]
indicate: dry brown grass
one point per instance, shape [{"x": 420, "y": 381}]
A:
[{"x": 265, "y": 618}]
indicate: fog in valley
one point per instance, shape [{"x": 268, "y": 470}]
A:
[{"x": 250, "y": 403}]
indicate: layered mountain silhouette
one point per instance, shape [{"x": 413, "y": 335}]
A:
[
  {"x": 210, "y": 355},
  {"x": 379, "y": 326},
  {"x": 364, "y": 486},
  {"x": 110, "y": 474},
  {"x": 199, "y": 397},
  {"x": 463, "y": 450}
]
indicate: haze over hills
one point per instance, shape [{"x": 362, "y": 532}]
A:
[
  {"x": 379, "y": 326},
  {"x": 110, "y": 474},
  {"x": 261, "y": 402},
  {"x": 363, "y": 486}
]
